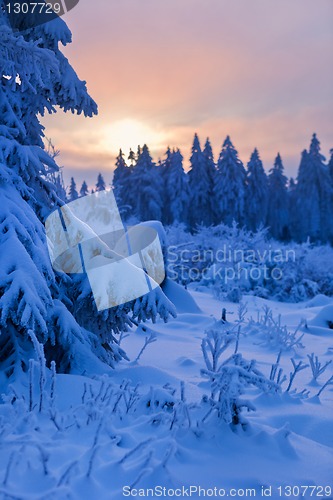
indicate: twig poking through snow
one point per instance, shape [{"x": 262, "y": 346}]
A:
[
  {"x": 141, "y": 445},
  {"x": 329, "y": 382},
  {"x": 148, "y": 340},
  {"x": 298, "y": 367},
  {"x": 8, "y": 468},
  {"x": 316, "y": 367},
  {"x": 39, "y": 349}
]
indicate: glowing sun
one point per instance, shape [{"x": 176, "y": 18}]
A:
[{"x": 129, "y": 133}]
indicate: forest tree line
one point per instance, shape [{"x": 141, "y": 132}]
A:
[{"x": 225, "y": 191}]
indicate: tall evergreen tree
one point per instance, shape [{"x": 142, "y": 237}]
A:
[
  {"x": 292, "y": 206},
  {"x": 313, "y": 196},
  {"x": 146, "y": 184},
  {"x": 72, "y": 192},
  {"x": 58, "y": 183},
  {"x": 212, "y": 174},
  {"x": 167, "y": 162},
  {"x": 230, "y": 185},
  {"x": 330, "y": 166},
  {"x": 34, "y": 300},
  {"x": 199, "y": 186},
  {"x": 100, "y": 184},
  {"x": 256, "y": 195},
  {"x": 31, "y": 295},
  {"x": 131, "y": 157},
  {"x": 84, "y": 189},
  {"x": 177, "y": 191},
  {"x": 121, "y": 184},
  {"x": 164, "y": 167},
  {"x": 278, "y": 201}
]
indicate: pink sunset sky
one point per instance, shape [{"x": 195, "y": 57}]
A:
[{"x": 160, "y": 70}]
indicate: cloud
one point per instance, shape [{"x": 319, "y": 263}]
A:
[{"x": 261, "y": 71}]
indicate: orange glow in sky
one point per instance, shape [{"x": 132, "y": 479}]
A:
[{"x": 261, "y": 71}]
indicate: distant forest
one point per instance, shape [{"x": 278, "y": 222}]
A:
[{"x": 212, "y": 193}]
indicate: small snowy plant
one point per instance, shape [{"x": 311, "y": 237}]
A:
[
  {"x": 230, "y": 378},
  {"x": 273, "y": 332},
  {"x": 317, "y": 367}
]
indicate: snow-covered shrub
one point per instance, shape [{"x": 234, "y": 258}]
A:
[
  {"x": 272, "y": 332},
  {"x": 230, "y": 378},
  {"x": 277, "y": 375},
  {"x": 317, "y": 367},
  {"x": 227, "y": 259}
]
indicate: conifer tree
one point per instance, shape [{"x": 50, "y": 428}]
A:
[
  {"x": 212, "y": 174},
  {"x": 72, "y": 192},
  {"x": 230, "y": 185},
  {"x": 59, "y": 186},
  {"x": 313, "y": 197},
  {"x": 164, "y": 168},
  {"x": 330, "y": 166},
  {"x": 177, "y": 192},
  {"x": 256, "y": 195},
  {"x": 100, "y": 184},
  {"x": 57, "y": 308},
  {"x": 38, "y": 78},
  {"x": 84, "y": 189},
  {"x": 167, "y": 162},
  {"x": 131, "y": 157},
  {"x": 146, "y": 184},
  {"x": 199, "y": 185},
  {"x": 122, "y": 184},
  {"x": 278, "y": 204}
]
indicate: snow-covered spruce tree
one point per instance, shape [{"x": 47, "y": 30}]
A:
[
  {"x": 121, "y": 185},
  {"x": 256, "y": 193},
  {"x": 37, "y": 77},
  {"x": 330, "y": 166},
  {"x": 230, "y": 186},
  {"x": 146, "y": 184},
  {"x": 59, "y": 186},
  {"x": 291, "y": 193},
  {"x": 131, "y": 157},
  {"x": 100, "y": 184},
  {"x": 164, "y": 174},
  {"x": 278, "y": 201},
  {"x": 313, "y": 197},
  {"x": 72, "y": 191},
  {"x": 177, "y": 192},
  {"x": 84, "y": 189},
  {"x": 199, "y": 185},
  {"x": 167, "y": 161},
  {"x": 211, "y": 171}
]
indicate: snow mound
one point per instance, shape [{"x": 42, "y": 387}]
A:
[
  {"x": 324, "y": 318},
  {"x": 180, "y": 297},
  {"x": 319, "y": 300}
]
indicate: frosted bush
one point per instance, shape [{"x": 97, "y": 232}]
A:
[{"x": 232, "y": 261}]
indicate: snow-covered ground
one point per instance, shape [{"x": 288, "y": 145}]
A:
[{"x": 142, "y": 425}]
